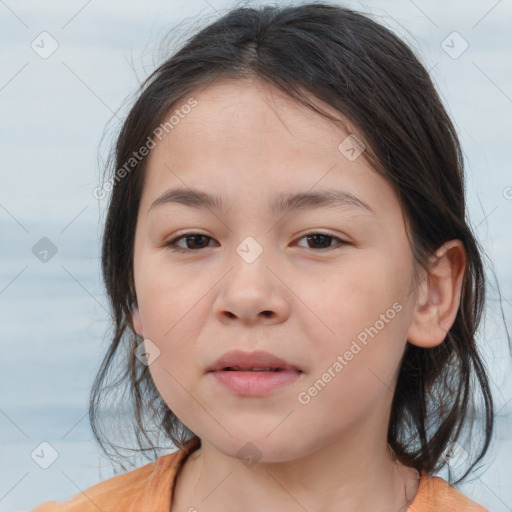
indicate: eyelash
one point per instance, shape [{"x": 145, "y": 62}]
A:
[{"x": 172, "y": 244}]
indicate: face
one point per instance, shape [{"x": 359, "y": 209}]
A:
[{"x": 326, "y": 287}]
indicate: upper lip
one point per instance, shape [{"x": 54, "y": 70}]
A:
[{"x": 248, "y": 360}]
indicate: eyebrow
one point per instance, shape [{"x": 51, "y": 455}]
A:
[{"x": 282, "y": 203}]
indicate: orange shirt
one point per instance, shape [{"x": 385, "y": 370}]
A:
[{"x": 149, "y": 489}]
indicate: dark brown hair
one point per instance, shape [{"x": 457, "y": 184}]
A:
[{"x": 375, "y": 81}]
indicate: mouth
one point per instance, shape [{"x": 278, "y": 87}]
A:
[
  {"x": 258, "y": 361},
  {"x": 260, "y": 370},
  {"x": 255, "y": 382},
  {"x": 253, "y": 373}
]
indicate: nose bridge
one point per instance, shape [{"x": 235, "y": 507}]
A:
[
  {"x": 250, "y": 260},
  {"x": 250, "y": 288}
]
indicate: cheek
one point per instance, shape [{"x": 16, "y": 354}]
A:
[
  {"x": 366, "y": 307},
  {"x": 358, "y": 291},
  {"x": 350, "y": 399},
  {"x": 170, "y": 308},
  {"x": 170, "y": 322},
  {"x": 354, "y": 368},
  {"x": 165, "y": 294},
  {"x": 171, "y": 319},
  {"x": 176, "y": 384}
]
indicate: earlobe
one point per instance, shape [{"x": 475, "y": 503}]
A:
[
  {"x": 438, "y": 296},
  {"x": 137, "y": 322}
]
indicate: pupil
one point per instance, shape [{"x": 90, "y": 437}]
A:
[
  {"x": 316, "y": 237},
  {"x": 195, "y": 237}
]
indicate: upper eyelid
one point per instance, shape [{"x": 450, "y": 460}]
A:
[{"x": 312, "y": 232}]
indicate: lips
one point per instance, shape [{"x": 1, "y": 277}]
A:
[
  {"x": 258, "y": 361},
  {"x": 253, "y": 374}
]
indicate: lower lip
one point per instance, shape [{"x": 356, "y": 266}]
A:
[{"x": 255, "y": 383}]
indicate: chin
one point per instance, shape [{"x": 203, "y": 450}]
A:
[{"x": 252, "y": 449}]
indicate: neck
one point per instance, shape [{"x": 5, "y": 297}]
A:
[{"x": 344, "y": 475}]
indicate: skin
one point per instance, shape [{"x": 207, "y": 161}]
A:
[{"x": 247, "y": 141}]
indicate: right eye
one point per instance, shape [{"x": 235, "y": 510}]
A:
[{"x": 190, "y": 239}]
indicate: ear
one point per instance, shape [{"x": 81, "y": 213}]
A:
[
  {"x": 137, "y": 323},
  {"x": 438, "y": 296}
]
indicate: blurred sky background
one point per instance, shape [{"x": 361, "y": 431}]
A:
[{"x": 53, "y": 112}]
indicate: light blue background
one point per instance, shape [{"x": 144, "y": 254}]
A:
[{"x": 53, "y": 112}]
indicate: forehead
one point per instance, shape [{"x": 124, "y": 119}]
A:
[
  {"x": 236, "y": 108},
  {"x": 249, "y": 134}
]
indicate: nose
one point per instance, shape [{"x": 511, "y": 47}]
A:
[{"x": 252, "y": 292}]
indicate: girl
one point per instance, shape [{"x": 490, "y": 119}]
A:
[{"x": 288, "y": 262}]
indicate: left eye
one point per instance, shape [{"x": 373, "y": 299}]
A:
[
  {"x": 322, "y": 239},
  {"x": 195, "y": 241}
]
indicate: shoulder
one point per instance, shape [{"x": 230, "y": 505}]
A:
[
  {"x": 147, "y": 488},
  {"x": 436, "y": 495}
]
